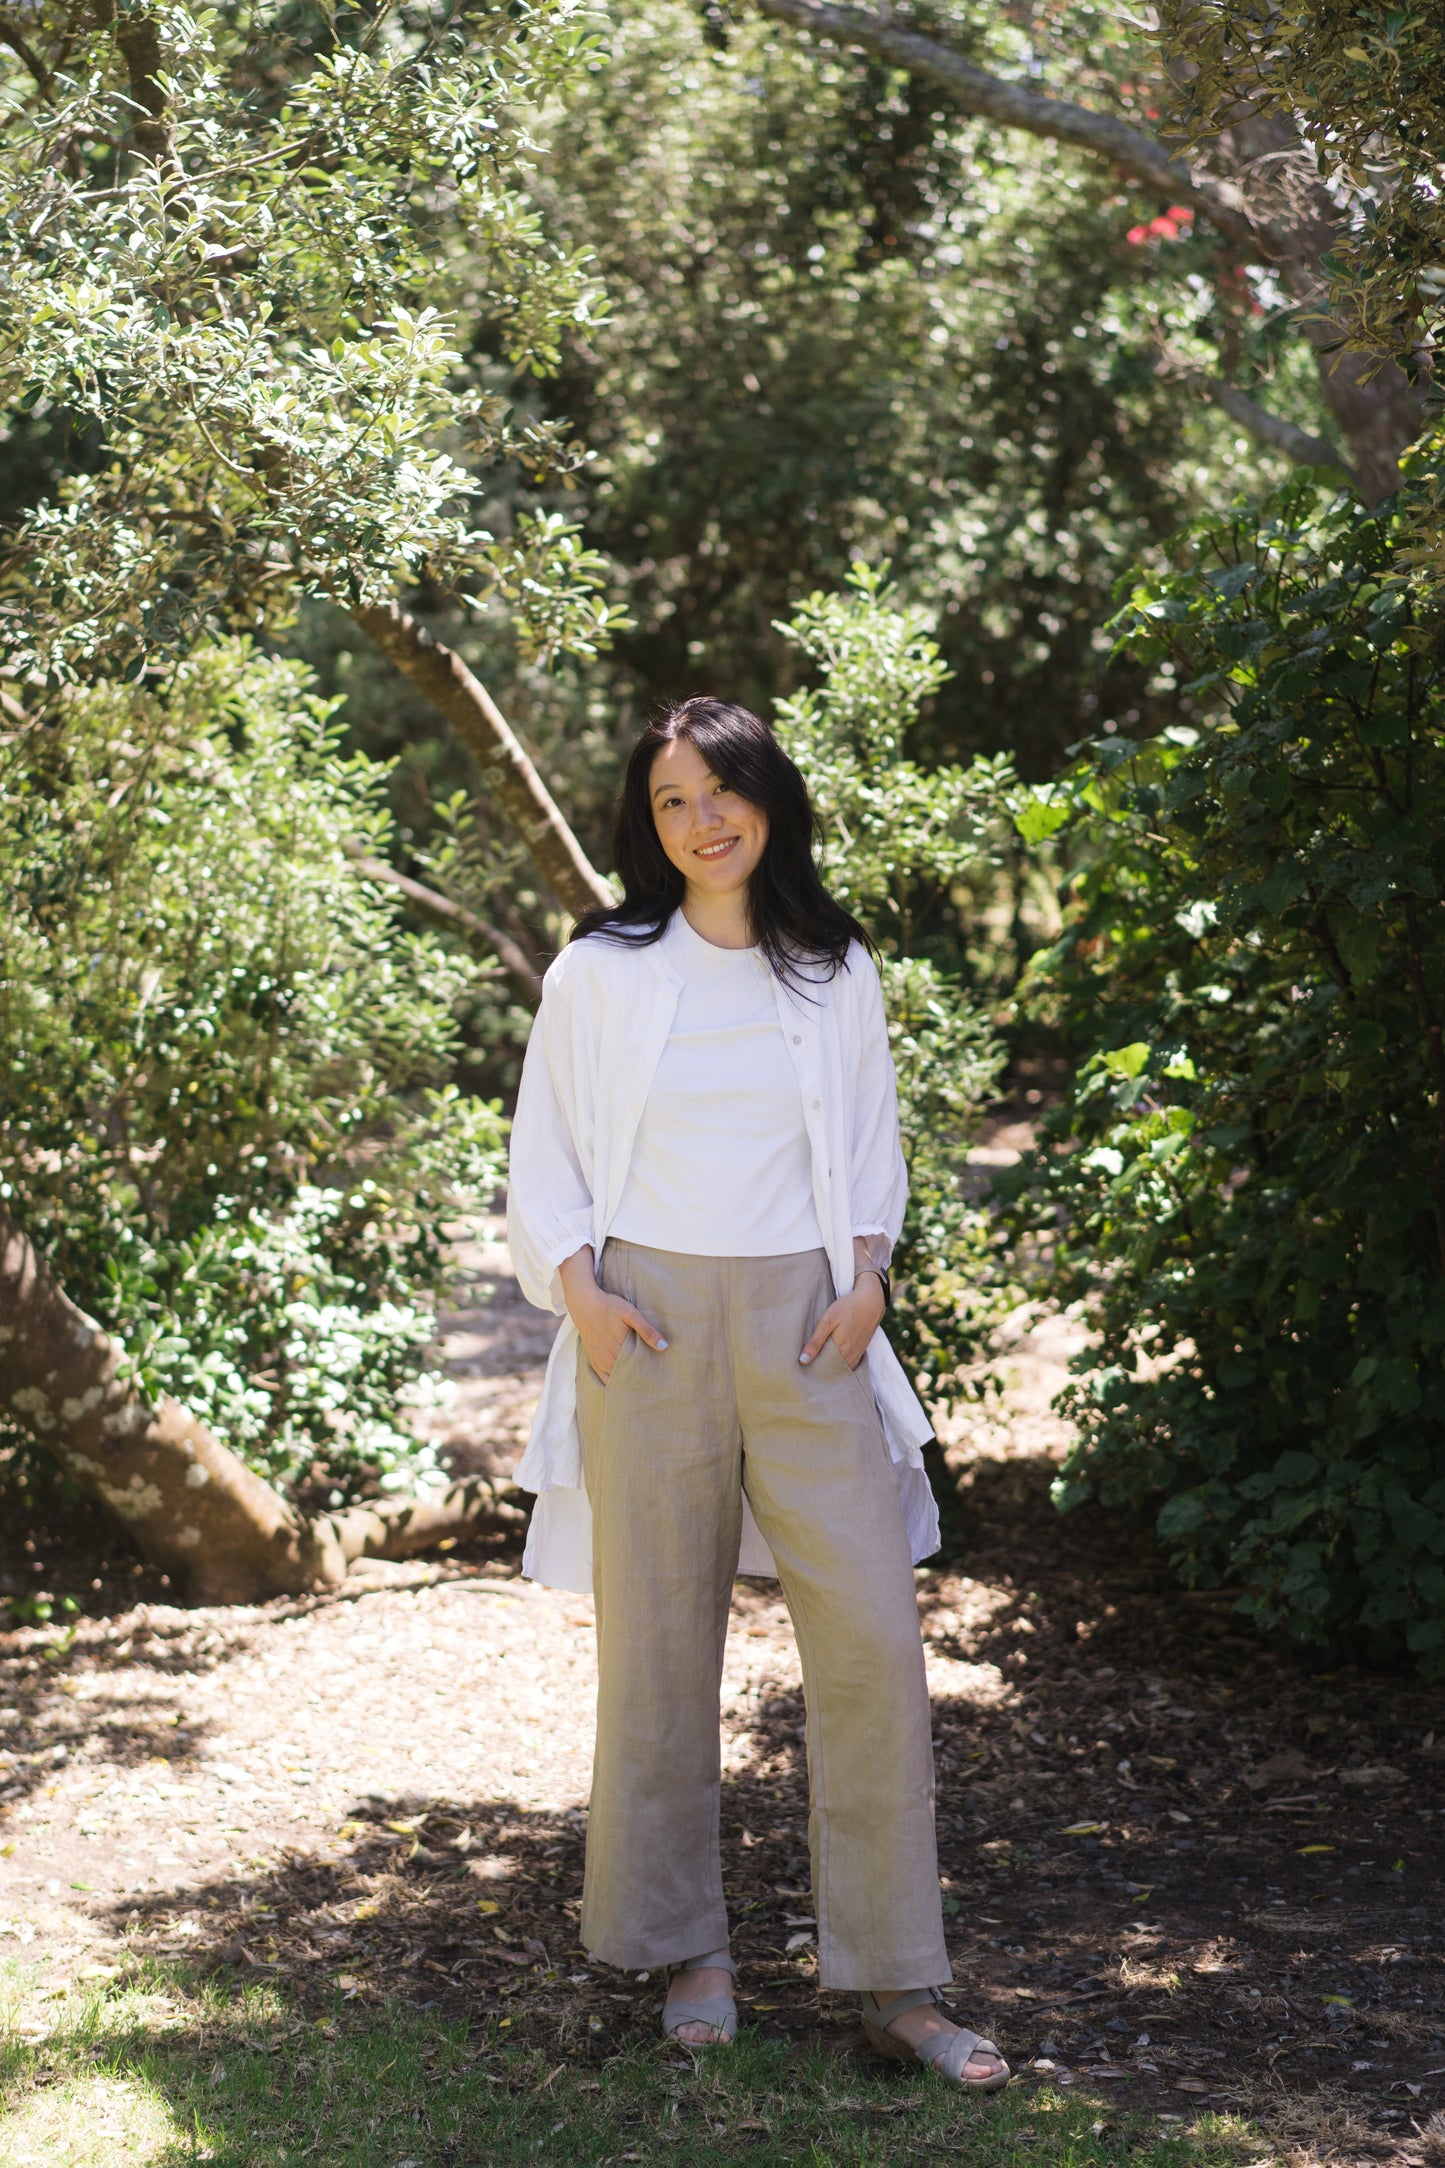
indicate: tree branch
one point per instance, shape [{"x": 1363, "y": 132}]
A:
[
  {"x": 508, "y": 774},
  {"x": 1300, "y": 445},
  {"x": 455, "y": 918},
  {"x": 12, "y": 35},
  {"x": 1013, "y": 105},
  {"x": 401, "y": 1527}
]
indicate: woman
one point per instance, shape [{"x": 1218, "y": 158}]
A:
[{"x": 706, "y": 1178}]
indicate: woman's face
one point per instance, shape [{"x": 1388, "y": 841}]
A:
[{"x": 712, "y": 836}]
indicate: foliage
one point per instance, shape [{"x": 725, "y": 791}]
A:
[
  {"x": 1248, "y": 1177},
  {"x": 1365, "y": 87},
  {"x": 845, "y": 321},
  {"x": 229, "y": 243},
  {"x": 890, "y": 825},
  {"x": 224, "y": 1114},
  {"x": 895, "y": 834}
]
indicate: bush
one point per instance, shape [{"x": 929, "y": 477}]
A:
[
  {"x": 224, "y": 1115},
  {"x": 895, "y": 835},
  {"x": 1248, "y": 1179}
]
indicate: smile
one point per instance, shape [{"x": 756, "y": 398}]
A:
[{"x": 716, "y": 850}]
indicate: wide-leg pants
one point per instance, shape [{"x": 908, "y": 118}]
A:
[{"x": 668, "y": 1444}]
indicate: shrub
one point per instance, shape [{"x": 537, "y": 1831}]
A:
[
  {"x": 895, "y": 834},
  {"x": 1248, "y": 1178},
  {"x": 224, "y": 1114}
]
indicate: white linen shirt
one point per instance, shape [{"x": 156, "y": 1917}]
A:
[{"x": 607, "y": 1006}]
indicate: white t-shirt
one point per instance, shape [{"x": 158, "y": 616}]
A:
[{"x": 722, "y": 1165}]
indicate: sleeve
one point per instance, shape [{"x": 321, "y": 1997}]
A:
[
  {"x": 878, "y": 1183},
  {"x": 549, "y": 1199}
]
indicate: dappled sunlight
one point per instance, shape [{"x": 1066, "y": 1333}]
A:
[{"x": 86, "y": 2119}]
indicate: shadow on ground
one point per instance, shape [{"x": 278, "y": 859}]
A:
[{"x": 1185, "y": 1875}]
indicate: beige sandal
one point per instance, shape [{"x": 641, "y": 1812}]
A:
[
  {"x": 947, "y": 2053},
  {"x": 719, "y": 2011}
]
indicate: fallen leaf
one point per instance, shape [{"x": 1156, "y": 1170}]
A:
[
  {"x": 488, "y": 1904},
  {"x": 1314, "y": 1848},
  {"x": 1083, "y": 1829},
  {"x": 1288, "y": 1767}
]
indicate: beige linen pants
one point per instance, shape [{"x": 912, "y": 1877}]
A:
[{"x": 667, "y": 1444}]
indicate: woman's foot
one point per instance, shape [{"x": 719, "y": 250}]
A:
[
  {"x": 914, "y": 2025},
  {"x": 699, "y": 2010}
]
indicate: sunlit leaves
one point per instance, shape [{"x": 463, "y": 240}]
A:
[
  {"x": 893, "y": 832},
  {"x": 224, "y": 1112},
  {"x": 257, "y": 318},
  {"x": 887, "y": 822},
  {"x": 1366, "y": 89}
]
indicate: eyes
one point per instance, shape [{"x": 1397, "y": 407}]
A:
[{"x": 675, "y": 798}]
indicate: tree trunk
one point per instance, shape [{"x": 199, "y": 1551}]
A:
[
  {"x": 508, "y": 775},
  {"x": 186, "y": 1501}
]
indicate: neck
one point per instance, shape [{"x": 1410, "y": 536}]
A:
[{"x": 723, "y": 919}]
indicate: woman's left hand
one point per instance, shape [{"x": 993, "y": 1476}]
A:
[{"x": 850, "y": 1322}]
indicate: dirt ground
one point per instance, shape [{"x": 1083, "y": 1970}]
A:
[{"x": 1181, "y": 1870}]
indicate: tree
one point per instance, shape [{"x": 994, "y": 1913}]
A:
[
  {"x": 1246, "y": 1182},
  {"x": 1293, "y": 109},
  {"x": 226, "y": 1126},
  {"x": 228, "y": 243},
  {"x": 844, "y": 320}
]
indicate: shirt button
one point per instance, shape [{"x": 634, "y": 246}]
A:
[
  {"x": 817, "y": 1102},
  {"x": 797, "y": 1038}
]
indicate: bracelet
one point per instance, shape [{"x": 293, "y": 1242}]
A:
[{"x": 885, "y": 1281}]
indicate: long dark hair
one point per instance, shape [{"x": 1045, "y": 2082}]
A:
[{"x": 794, "y": 920}]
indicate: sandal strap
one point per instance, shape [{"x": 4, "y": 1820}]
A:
[
  {"x": 952, "y": 2052},
  {"x": 883, "y": 2011},
  {"x": 721, "y": 1960},
  {"x": 715, "y": 2011}
]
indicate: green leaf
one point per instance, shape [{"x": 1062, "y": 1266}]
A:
[{"x": 1039, "y": 816}]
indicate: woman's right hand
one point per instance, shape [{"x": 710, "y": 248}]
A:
[{"x": 603, "y": 1321}]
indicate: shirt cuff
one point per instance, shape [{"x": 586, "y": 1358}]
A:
[
  {"x": 557, "y": 1256},
  {"x": 877, "y": 1243},
  {"x": 568, "y": 1246}
]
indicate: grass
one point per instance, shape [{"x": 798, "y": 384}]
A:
[{"x": 160, "y": 2068}]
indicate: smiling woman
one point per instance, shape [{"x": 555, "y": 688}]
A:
[
  {"x": 713, "y": 809},
  {"x": 707, "y": 1179}
]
